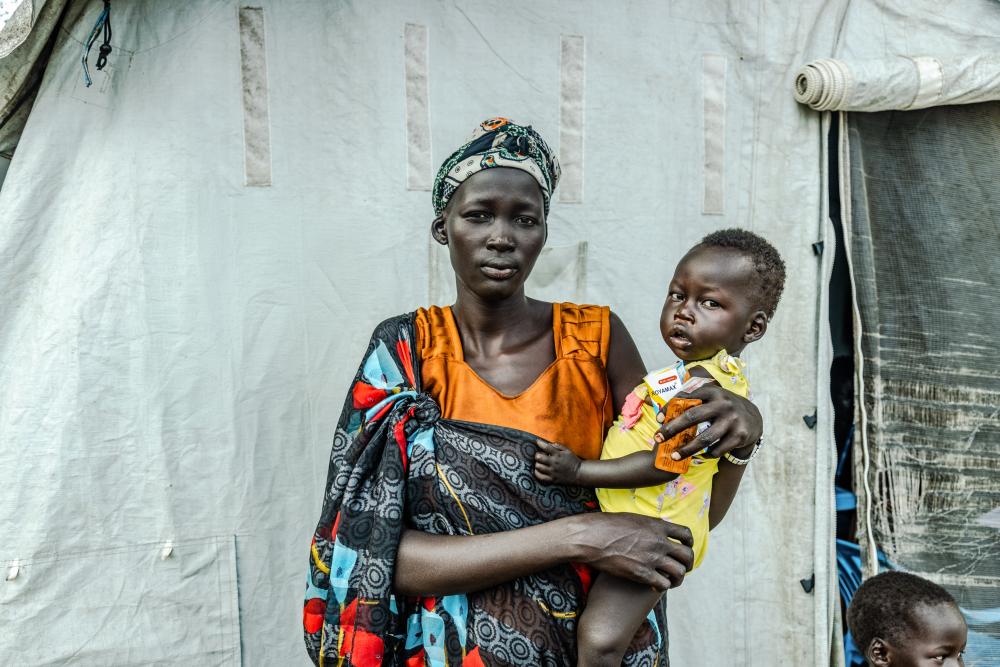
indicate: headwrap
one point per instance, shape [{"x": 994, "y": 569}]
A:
[{"x": 498, "y": 142}]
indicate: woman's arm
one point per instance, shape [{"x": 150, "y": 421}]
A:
[
  {"x": 625, "y": 367},
  {"x": 644, "y": 549}
]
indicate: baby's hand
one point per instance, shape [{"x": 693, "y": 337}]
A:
[{"x": 555, "y": 464}]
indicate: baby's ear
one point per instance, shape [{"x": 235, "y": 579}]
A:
[
  {"x": 757, "y": 327},
  {"x": 877, "y": 653},
  {"x": 439, "y": 230}
]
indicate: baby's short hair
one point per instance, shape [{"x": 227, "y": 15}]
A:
[
  {"x": 769, "y": 268},
  {"x": 884, "y": 607}
]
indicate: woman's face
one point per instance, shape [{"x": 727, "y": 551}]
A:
[{"x": 494, "y": 227}]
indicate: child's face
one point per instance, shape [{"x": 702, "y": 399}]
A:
[
  {"x": 939, "y": 640},
  {"x": 708, "y": 307}
]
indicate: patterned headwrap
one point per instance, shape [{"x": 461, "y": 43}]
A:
[{"x": 498, "y": 142}]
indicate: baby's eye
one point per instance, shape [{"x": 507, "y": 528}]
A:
[
  {"x": 709, "y": 303},
  {"x": 675, "y": 296}
]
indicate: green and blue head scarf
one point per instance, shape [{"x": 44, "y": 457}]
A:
[{"x": 498, "y": 142}]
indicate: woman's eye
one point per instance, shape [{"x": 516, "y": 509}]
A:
[
  {"x": 526, "y": 221},
  {"x": 477, "y": 215}
]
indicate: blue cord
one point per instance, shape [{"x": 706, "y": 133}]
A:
[{"x": 103, "y": 22}]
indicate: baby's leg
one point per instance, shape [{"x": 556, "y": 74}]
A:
[{"x": 615, "y": 610}]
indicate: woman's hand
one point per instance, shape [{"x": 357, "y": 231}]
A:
[
  {"x": 647, "y": 550},
  {"x": 736, "y": 423},
  {"x": 643, "y": 549}
]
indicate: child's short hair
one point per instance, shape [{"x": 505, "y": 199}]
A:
[
  {"x": 884, "y": 605},
  {"x": 767, "y": 263}
]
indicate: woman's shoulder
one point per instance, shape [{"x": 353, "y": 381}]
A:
[
  {"x": 583, "y": 328},
  {"x": 432, "y": 317},
  {"x": 435, "y": 331},
  {"x": 397, "y": 327},
  {"x": 575, "y": 312},
  {"x": 396, "y": 321}
]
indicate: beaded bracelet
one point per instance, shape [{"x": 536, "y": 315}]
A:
[{"x": 742, "y": 462}]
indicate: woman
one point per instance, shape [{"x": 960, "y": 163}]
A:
[{"x": 436, "y": 541}]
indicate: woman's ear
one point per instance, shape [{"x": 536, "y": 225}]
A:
[
  {"x": 439, "y": 230},
  {"x": 757, "y": 327},
  {"x": 877, "y": 653}
]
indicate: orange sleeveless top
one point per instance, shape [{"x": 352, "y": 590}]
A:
[{"x": 570, "y": 402}]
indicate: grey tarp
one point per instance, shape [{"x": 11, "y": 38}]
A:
[
  {"x": 175, "y": 345},
  {"x": 26, "y": 39},
  {"x": 925, "y": 252}
]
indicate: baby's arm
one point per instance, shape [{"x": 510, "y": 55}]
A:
[
  {"x": 555, "y": 464},
  {"x": 725, "y": 484}
]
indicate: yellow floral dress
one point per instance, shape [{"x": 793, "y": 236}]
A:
[{"x": 685, "y": 499}]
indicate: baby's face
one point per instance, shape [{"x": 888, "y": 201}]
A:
[
  {"x": 708, "y": 307},
  {"x": 939, "y": 641}
]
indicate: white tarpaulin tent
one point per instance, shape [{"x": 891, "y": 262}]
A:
[{"x": 196, "y": 247}]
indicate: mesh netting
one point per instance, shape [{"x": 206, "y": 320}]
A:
[{"x": 925, "y": 249}]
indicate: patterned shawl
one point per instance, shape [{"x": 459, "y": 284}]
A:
[{"x": 395, "y": 463}]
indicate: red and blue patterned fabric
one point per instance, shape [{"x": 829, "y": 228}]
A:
[{"x": 396, "y": 463}]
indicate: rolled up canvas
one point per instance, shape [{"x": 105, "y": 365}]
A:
[{"x": 899, "y": 82}]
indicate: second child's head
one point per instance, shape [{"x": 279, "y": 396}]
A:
[
  {"x": 723, "y": 293},
  {"x": 901, "y": 620}
]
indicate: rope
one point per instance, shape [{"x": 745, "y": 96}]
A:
[{"x": 103, "y": 25}]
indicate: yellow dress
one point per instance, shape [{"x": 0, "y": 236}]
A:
[{"x": 685, "y": 499}]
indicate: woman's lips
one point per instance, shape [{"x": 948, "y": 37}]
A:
[{"x": 498, "y": 272}]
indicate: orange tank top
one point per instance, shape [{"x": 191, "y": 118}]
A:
[{"x": 570, "y": 402}]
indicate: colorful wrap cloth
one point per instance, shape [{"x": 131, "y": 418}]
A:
[
  {"x": 498, "y": 142},
  {"x": 395, "y": 463}
]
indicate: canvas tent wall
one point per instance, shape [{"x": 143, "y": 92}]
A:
[
  {"x": 922, "y": 227},
  {"x": 196, "y": 247}
]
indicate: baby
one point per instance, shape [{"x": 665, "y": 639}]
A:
[
  {"x": 721, "y": 297},
  {"x": 901, "y": 620}
]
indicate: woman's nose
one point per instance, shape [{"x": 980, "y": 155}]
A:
[{"x": 501, "y": 239}]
